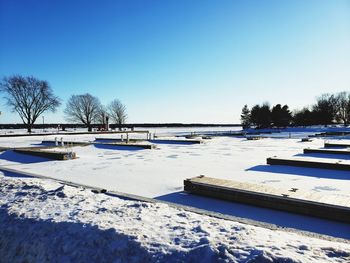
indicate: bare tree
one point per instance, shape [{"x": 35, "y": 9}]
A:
[
  {"x": 343, "y": 107},
  {"x": 83, "y": 108},
  {"x": 117, "y": 111},
  {"x": 103, "y": 117},
  {"x": 29, "y": 97},
  {"x": 325, "y": 109}
]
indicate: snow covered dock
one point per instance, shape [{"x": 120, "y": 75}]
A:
[
  {"x": 328, "y": 151},
  {"x": 311, "y": 163},
  {"x": 291, "y": 200}
]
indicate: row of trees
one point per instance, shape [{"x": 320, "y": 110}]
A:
[
  {"x": 328, "y": 109},
  {"x": 31, "y": 97},
  {"x": 262, "y": 116},
  {"x": 88, "y": 109}
]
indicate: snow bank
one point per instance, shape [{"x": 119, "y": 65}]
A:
[{"x": 44, "y": 221}]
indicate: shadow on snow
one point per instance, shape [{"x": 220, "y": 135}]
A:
[
  {"x": 32, "y": 240},
  {"x": 280, "y": 218},
  {"x": 12, "y": 156},
  {"x": 119, "y": 148}
]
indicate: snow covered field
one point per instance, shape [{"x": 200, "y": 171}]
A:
[{"x": 159, "y": 174}]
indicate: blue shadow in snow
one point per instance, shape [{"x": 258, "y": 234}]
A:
[
  {"x": 302, "y": 171},
  {"x": 14, "y": 174},
  {"x": 119, "y": 148},
  {"x": 12, "y": 156},
  {"x": 280, "y": 218},
  {"x": 325, "y": 155},
  {"x": 32, "y": 235}
]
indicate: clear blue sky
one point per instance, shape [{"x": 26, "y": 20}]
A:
[{"x": 179, "y": 60}]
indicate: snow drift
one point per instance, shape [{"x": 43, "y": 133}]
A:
[{"x": 44, "y": 221}]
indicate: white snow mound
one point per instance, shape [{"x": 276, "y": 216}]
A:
[{"x": 44, "y": 221}]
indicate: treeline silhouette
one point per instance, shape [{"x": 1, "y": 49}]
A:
[{"x": 328, "y": 109}]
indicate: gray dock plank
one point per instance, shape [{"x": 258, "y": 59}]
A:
[
  {"x": 325, "y": 164},
  {"x": 337, "y": 144},
  {"x": 327, "y": 151},
  {"x": 54, "y": 155},
  {"x": 267, "y": 197}
]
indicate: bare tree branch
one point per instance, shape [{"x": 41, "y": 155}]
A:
[
  {"x": 343, "y": 107},
  {"x": 83, "y": 108},
  {"x": 117, "y": 111},
  {"x": 29, "y": 97}
]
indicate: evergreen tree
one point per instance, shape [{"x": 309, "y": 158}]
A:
[
  {"x": 303, "y": 117},
  {"x": 286, "y": 116},
  {"x": 261, "y": 116},
  {"x": 276, "y": 115},
  {"x": 254, "y": 115},
  {"x": 281, "y": 116},
  {"x": 245, "y": 117}
]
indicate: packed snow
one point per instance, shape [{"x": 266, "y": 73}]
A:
[{"x": 44, "y": 221}]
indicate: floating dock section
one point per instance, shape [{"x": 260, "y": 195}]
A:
[
  {"x": 190, "y": 141},
  {"x": 119, "y": 140},
  {"x": 50, "y": 154},
  {"x": 119, "y": 144},
  {"x": 125, "y": 144},
  {"x": 336, "y": 144},
  {"x": 331, "y": 134},
  {"x": 325, "y": 164},
  {"x": 160, "y": 141},
  {"x": 66, "y": 143},
  {"x": 290, "y": 200},
  {"x": 3, "y": 149},
  {"x": 327, "y": 151}
]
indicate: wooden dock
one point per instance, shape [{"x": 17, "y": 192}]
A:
[
  {"x": 3, "y": 149},
  {"x": 337, "y": 144},
  {"x": 290, "y": 200},
  {"x": 254, "y": 138},
  {"x": 66, "y": 143},
  {"x": 325, "y": 164},
  {"x": 120, "y": 140},
  {"x": 42, "y": 152},
  {"x": 306, "y": 140},
  {"x": 327, "y": 151},
  {"x": 125, "y": 144},
  {"x": 189, "y": 141},
  {"x": 331, "y": 134},
  {"x": 112, "y": 144}
]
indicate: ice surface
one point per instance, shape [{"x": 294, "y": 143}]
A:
[{"x": 160, "y": 173}]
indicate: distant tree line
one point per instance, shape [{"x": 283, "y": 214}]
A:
[
  {"x": 328, "y": 109},
  {"x": 31, "y": 97}
]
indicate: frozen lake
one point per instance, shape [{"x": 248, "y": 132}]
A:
[{"x": 159, "y": 173}]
